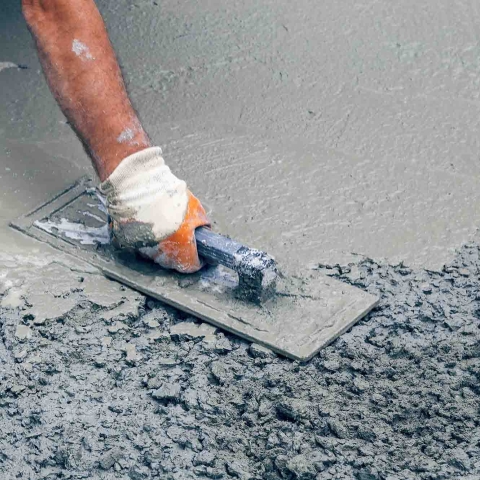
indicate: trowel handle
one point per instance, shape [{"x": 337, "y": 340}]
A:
[
  {"x": 257, "y": 271},
  {"x": 216, "y": 248}
]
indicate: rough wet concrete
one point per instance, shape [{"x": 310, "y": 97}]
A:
[
  {"x": 314, "y": 129},
  {"x": 113, "y": 385}
]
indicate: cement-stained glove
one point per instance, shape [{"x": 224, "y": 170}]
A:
[{"x": 152, "y": 211}]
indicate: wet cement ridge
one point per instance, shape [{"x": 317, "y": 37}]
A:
[{"x": 146, "y": 393}]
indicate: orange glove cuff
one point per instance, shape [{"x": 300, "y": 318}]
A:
[{"x": 179, "y": 250}]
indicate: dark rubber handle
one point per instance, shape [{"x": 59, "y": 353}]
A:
[
  {"x": 257, "y": 271},
  {"x": 217, "y": 248}
]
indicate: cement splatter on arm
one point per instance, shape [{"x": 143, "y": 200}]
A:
[
  {"x": 126, "y": 136},
  {"x": 129, "y": 134},
  {"x": 83, "y": 74},
  {"x": 81, "y": 50}
]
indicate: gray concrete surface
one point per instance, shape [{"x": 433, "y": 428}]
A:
[
  {"x": 313, "y": 130},
  {"x": 322, "y": 131}
]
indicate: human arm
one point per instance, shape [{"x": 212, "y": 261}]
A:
[
  {"x": 83, "y": 74},
  {"x": 151, "y": 209}
]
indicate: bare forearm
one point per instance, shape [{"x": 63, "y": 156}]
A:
[{"x": 84, "y": 76}]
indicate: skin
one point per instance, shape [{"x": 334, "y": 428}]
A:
[{"x": 83, "y": 74}]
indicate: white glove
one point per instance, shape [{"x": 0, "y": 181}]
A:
[{"x": 146, "y": 201}]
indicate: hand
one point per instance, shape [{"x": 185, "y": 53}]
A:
[
  {"x": 154, "y": 212},
  {"x": 179, "y": 250}
]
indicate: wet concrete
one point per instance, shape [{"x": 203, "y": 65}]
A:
[
  {"x": 308, "y": 129},
  {"x": 120, "y": 387}
]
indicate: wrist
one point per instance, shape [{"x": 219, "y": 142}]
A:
[
  {"x": 108, "y": 159},
  {"x": 110, "y": 138}
]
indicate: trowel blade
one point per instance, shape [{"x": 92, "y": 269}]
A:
[{"x": 308, "y": 312}]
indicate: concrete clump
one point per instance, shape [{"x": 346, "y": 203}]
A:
[
  {"x": 259, "y": 351},
  {"x": 169, "y": 392},
  {"x": 396, "y": 397},
  {"x": 23, "y": 332}
]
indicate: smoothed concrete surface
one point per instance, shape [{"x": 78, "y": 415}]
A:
[{"x": 311, "y": 130}]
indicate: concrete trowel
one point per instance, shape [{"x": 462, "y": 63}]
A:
[{"x": 293, "y": 311}]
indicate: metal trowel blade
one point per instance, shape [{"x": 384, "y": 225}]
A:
[{"x": 307, "y": 312}]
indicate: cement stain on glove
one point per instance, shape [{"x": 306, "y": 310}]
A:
[{"x": 153, "y": 212}]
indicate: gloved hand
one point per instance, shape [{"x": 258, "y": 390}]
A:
[{"x": 153, "y": 212}]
